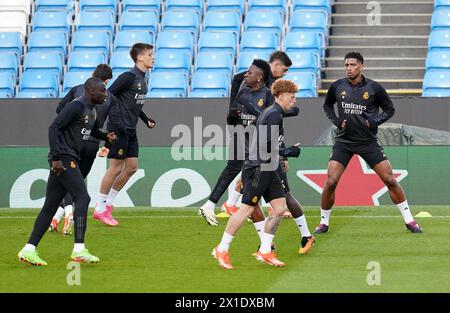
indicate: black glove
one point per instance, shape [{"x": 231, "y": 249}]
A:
[
  {"x": 292, "y": 151},
  {"x": 233, "y": 116}
]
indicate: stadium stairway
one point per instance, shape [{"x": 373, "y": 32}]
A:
[{"x": 394, "y": 49}]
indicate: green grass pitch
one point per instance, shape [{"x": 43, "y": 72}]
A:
[{"x": 169, "y": 250}]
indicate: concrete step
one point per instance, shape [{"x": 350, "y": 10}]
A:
[
  {"x": 402, "y": 18},
  {"x": 378, "y": 40},
  {"x": 385, "y": 7},
  {"x": 378, "y": 62},
  {"x": 378, "y": 73},
  {"x": 386, "y": 83},
  {"x": 379, "y": 51},
  {"x": 385, "y": 29}
]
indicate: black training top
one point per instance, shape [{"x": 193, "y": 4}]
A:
[
  {"x": 237, "y": 81},
  {"x": 109, "y": 108},
  {"x": 130, "y": 89},
  {"x": 73, "y": 125},
  {"x": 356, "y": 104},
  {"x": 271, "y": 116},
  {"x": 252, "y": 102}
]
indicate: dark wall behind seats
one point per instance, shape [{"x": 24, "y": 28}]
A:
[{"x": 26, "y": 121}]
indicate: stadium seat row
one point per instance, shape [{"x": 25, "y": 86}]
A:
[{"x": 436, "y": 82}]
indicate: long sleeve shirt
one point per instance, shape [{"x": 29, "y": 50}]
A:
[
  {"x": 356, "y": 104},
  {"x": 72, "y": 126},
  {"x": 108, "y": 109},
  {"x": 130, "y": 89},
  {"x": 259, "y": 152}
]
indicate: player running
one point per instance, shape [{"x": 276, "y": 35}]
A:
[
  {"x": 260, "y": 178},
  {"x": 71, "y": 127},
  {"x": 130, "y": 89}
]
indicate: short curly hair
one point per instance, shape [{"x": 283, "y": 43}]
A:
[{"x": 283, "y": 85}]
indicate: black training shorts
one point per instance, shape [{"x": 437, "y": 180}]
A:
[
  {"x": 371, "y": 152},
  {"x": 257, "y": 184},
  {"x": 126, "y": 146}
]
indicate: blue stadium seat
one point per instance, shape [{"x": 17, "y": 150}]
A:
[
  {"x": 225, "y": 5},
  {"x": 181, "y": 21},
  {"x": 44, "y": 62},
  {"x": 214, "y": 62},
  {"x": 259, "y": 41},
  {"x": 222, "y": 21},
  {"x": 85, "y": 61},
  {"x": 169, "y": 41},
  {"x": 440, "y": 19},
  {"x": 245, "y": 59},
  {"x": 5, "y": 94},
  {"x": 167, "y": 85},
  {"x": 72, "y": 79},
  {"x": 207, "y": 84},
  {"x": 98, "y": 5},
  {"x": 139, "y": 21},
  {"x": 304, "y": 41},
  {"x": 436, "y": 93},
  {"x": 33, "y": 94},
  {"x": 11, "y": 42},
  {"x": 436, "y": 81},
  {"x": 178, "y": 62},
  {"x": 437, "y": 60},
  {"x": 268, "y": 5},
  {"x": 51, "y": 20},
  {"x": 121, "y": 61},
  {"x": 142, "y": 5},
  {"x": 439, "y": 40},
  {"x": 95, "y": 21},
  {"x": 48, "y": 41},
  {"x": 312, "y": 5},
  {"x": 55, "y": 5},
  {"x": 185, "y": 5},
  {"x": 41, "y": 82},
  {"x": 217, "y": 41},
  {"x": 306, "y": 83},
  {"x": 305, "y": 61},
  {"x": 310, "y": 21},
  {"x": 7, "y": 83},
  {"x": 93, "y": 41},
  {"x": 166, "y": 93},
  {"x": 126, "y": 39},
  {"x": 205, "y": 93},
  {"x": 270, "y": 21},
  {"x": 9, "y": 64},
  {"x": 442, "y": 3}
]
